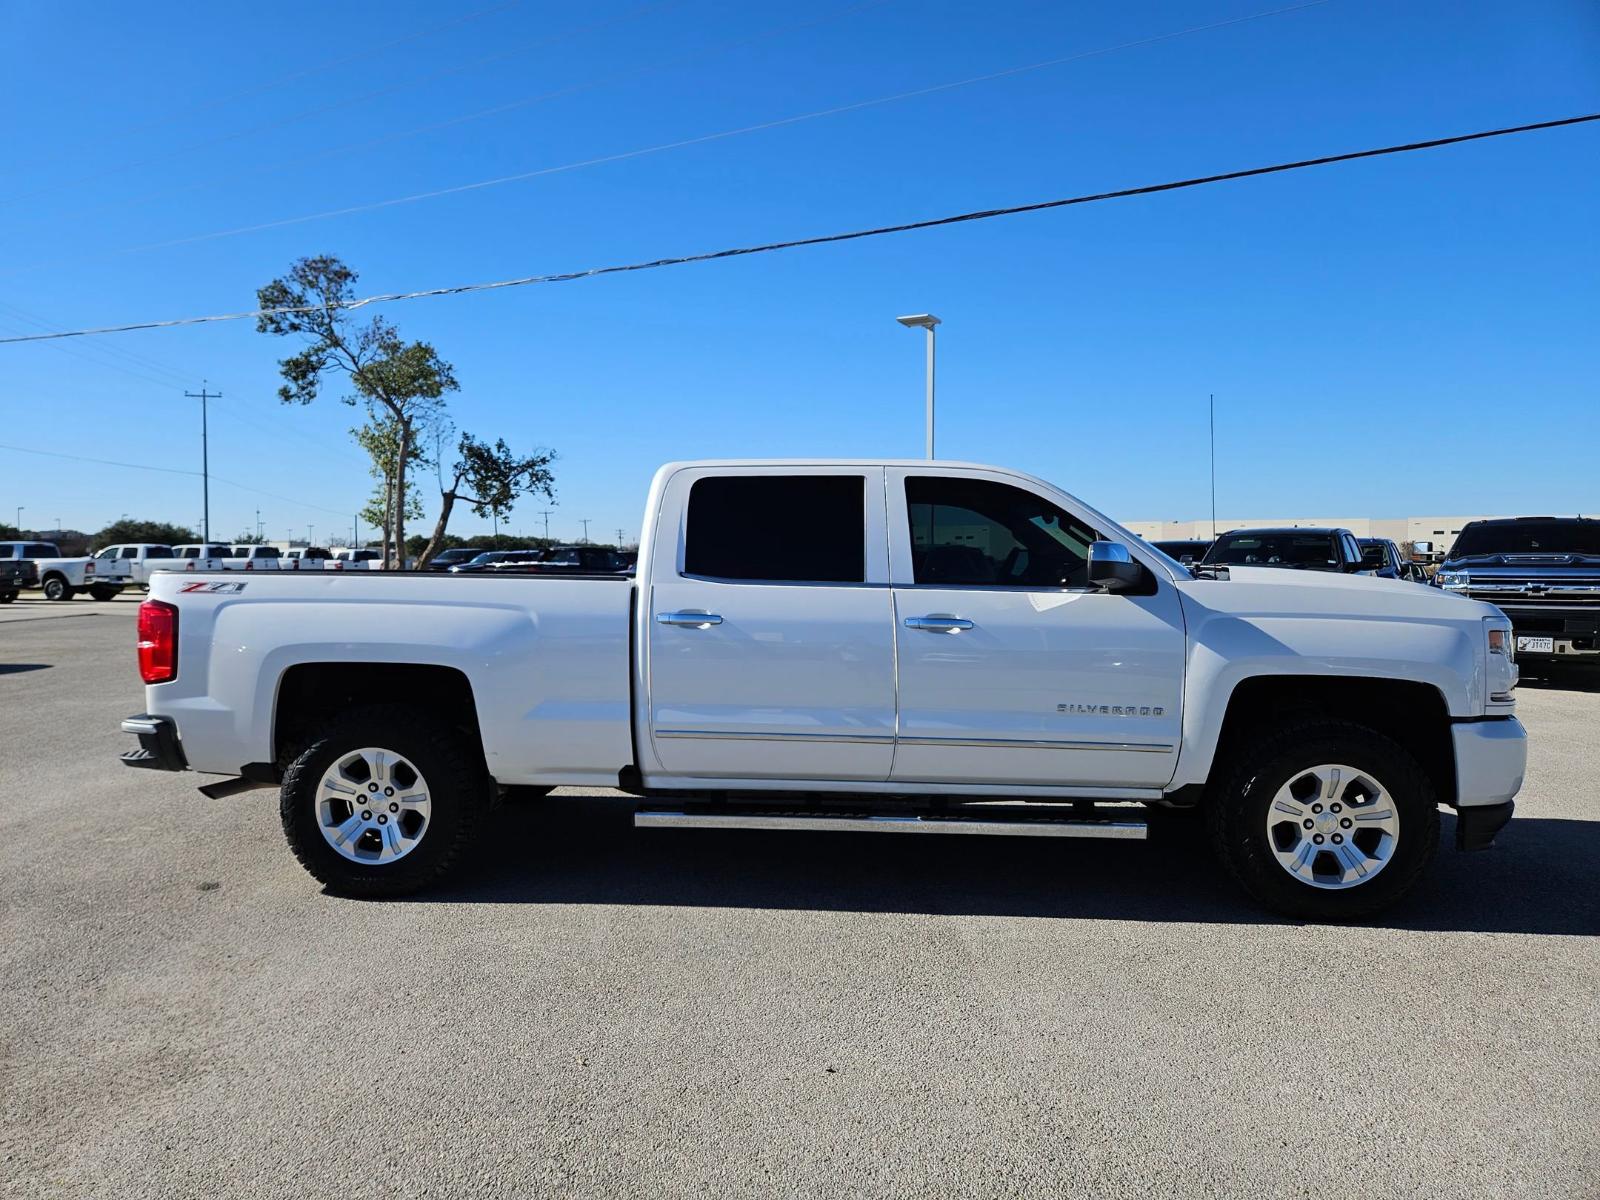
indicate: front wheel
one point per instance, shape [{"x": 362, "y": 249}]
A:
[
  {"x": 1325, "y": 820},
  {"x": 7, "y": 597},
  {"x": 384, "y": 802},
  {"x": 55, "y": 588}
]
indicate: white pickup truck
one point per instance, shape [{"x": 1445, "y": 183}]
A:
[
  {"x": 921, "y": 647},
  {"x": 145, "y": 558},
  {"x": 63, "y": 578}
]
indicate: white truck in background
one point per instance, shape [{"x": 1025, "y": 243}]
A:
[
  {"x": 144, "y": 559},
  {"x": 63, "y": 578},
  {"x": 876, "y": 647}
]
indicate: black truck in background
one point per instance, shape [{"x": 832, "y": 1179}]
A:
[{"x": 1542, "y": 572}]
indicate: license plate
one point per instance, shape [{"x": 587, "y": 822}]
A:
[{"x": 1536, "y": 645}]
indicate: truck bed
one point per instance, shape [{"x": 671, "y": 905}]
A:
[{"x": 548, "y": 657}]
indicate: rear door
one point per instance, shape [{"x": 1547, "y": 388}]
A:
[
  {"x": 1012, "y": 669},
  {"x": 769, "y": 634}
]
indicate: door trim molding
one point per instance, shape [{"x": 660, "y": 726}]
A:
[
  {"x": 1039, "y": 744},
  {"x": 858, "y": 739},
  {"x": 882, "y": 739}
]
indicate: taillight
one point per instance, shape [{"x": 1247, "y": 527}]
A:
[{"x": 158, "y": 642}]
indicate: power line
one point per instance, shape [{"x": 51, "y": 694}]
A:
[
  {"x": 700, "y": 139},
  {"x": 108, "y": 462},
  {"x": 825, "y": 239}
]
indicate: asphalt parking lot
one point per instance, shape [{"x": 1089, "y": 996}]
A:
[{"x": 606, "y": 1012}]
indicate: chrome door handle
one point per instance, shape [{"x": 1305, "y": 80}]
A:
[
  {"x": 689, "y": 620},
  {"x": 938, "y": 624}
]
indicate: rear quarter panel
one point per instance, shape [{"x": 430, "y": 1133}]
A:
[{"x": 547, "y": 660}]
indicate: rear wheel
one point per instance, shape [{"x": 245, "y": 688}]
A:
[
  {"x": 1326, "y": 820},
  {"x": 55, "y": 588},
  {"x": 384, "y": 802},
  {"x": 7, "y": 597}
]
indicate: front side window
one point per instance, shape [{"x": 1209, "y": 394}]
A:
[
  {"x": 108, "y": 552},
  {"x": 974, "y": 532},
  {"x": 778, "y": 528}
]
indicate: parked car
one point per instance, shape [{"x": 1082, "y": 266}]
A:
[
  {"x": 1542, "y": 572},
  {"x": 1185, "y": 551},
  {"x": 575, "y": 560},
  {"x": 357, "y": 560},
  {"x": 446, "y": 559},
  {"x": 305, "y": 558},
  {"x": 1296, "y": 549},
  {"x": 868, "y": 647},
  {"x": 16, "y": 574},
  {"x": 1381, "y": 557},
  {"x": 135, "y": 556},
  {"x": 63, "y": 578},
  {"x": 494, "y": 560}
]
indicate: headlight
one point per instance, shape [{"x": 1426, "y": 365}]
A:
[
  {"x": 1500, "y": 642},
  {"x": 1453, "y": 581}
]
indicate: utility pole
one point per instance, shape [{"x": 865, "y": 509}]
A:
[
  {"x": 205, "y": 454},
  {"x": 543, "y": 512},
  {"x": 355, "y": 532},
  {"x": 584, "y": 521},
  {"x": 20, "y": 507},
  {"x": 619, "y": 539},
  {"x": 309, "y": 529},
  {"x": 1213, "y": 466},
  {"x": 258, "y": 524}
]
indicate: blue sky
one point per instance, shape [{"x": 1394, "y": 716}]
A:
[{"x": 1411, "y": 335}]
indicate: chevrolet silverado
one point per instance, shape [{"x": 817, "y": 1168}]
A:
[{"x": 877, "y": 647}]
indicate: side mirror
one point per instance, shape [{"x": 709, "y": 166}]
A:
[{"x": 1112, "y": 569}]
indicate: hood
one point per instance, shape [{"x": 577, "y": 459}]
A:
[{"x": 1308, "y": 593}]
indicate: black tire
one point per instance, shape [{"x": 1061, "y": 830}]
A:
[
  {"x": 56, "y": 588},
  {"x": 7, "y": 597},
  {"x": 458, "y": 789},
  {"x": 1260, "y": 765},
  {"x": 103, "y": 592}
]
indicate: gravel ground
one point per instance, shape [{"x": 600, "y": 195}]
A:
[{"x": 601, "y": 1012}]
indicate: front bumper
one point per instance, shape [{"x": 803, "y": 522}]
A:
[
  {"x": 1491, "y": 758},
  {"x": 159, "y": 747}
]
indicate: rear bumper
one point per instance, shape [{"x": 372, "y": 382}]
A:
[
  {"x": 159, "y": 748},
  {"x": 1491, "y": 757}
]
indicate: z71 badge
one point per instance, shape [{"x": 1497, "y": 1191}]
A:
[{"x": 216, "y": 589}]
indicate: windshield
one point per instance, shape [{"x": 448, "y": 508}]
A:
[
  {"x": 1287, "y": 549},
  {"x": 1529, "y": 537},
  {"x": 1373, "y": 556}
]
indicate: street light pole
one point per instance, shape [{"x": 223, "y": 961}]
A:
[{"x": 925, "y": 321}]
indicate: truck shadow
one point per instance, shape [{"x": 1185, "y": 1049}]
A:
[
  {"x": 584, "y": 850},
  {"x": 1560, "y": 677}
]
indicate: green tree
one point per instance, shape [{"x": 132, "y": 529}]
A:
[
  {"x": 490, "y": 479},
  {"x": 380, "y": 438},
  {"x": 160, "y": 532},
  {"x": 404, "y": 381}
]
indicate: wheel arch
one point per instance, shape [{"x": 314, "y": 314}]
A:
[
  {"x": 309, "y": 694},
  {"x": 1414, "y": 715}
]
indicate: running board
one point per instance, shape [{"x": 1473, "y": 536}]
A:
[{"x": 1020, "y": 826}]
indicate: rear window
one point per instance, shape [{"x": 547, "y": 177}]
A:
[
  {"x": 1529, "y": 537},
  {"x": 778, "y": 528},
  {"x": 1373, "y": 555},
  {"x": 1273, "y": 550}
]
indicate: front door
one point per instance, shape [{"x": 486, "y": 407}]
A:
[
  {"x": 1012, "y": 669},
  {"x": 770, "y": 635}
]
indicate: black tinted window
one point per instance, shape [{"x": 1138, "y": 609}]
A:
[
  {"x": 972, "y": 531},
  {"x": 1530, "y": 537},
  {"x": 1274, "y": 550},
  {"x": 39, "y": 551},
  {"x": 804, "y": 528}
]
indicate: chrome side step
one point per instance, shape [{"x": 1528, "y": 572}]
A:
[{"x": 1019, "y": 826}]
